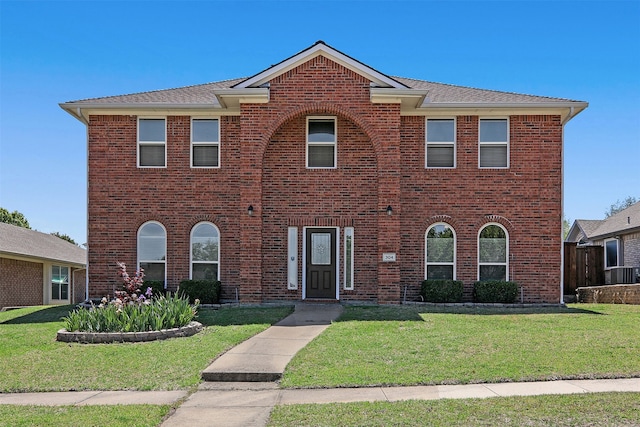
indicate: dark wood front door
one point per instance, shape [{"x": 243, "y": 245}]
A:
[{"x": 321, "y": 262}]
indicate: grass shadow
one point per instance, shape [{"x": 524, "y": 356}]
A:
[
  {"x": 228, "y": 316},
  {"x": 37, "y": 315},
  {"x": 413, "y": 312}
]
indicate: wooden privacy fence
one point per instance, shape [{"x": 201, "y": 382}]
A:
[{"x": 583, "y": 266}]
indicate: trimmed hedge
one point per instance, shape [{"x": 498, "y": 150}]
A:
[
  {"x": 495, "y": 291},
  {"x": 207, "y": 291},
  {"x": 441, "y": 290}
]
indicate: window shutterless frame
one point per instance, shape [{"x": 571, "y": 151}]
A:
[
  {"x": 205, "y": 252},
  {"x": 493, "y": 143},
  {"x": 493, "y": 252},
  {"x": 205, "y": 142},
  {"x": 152, "y": 251},
  {"x": 440, "y": 252},
  {"x": 440, "y": 147},
  {"x": 152, "y": 142},
  {"x": 322, "y": 145},
  {"x": 611, "y": 253}
]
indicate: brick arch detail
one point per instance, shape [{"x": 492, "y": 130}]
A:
[
  {"x": 321, "y": 109},
  {"x": 442, "y": 218},
  {"x": 488, "y": 219}
]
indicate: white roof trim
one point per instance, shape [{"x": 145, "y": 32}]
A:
[{"x": 317, "y": 49}]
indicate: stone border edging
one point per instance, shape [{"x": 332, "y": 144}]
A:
[{"x": 111, "y": 337}]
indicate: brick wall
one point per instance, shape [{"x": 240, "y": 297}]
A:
[
  {"x": 380, "y": 163},
  {"x": 21, "y": 283},
  {"x": 632, "y": 250}
]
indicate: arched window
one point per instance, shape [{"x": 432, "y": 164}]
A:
[
  {"x": 440, "y": 252},
  {"x": 493, "y": 253},
  {"x": 205, "y": 252},
  {"x": 152, "y": 251}
]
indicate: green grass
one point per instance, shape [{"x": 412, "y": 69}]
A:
[
  {"x": 34, "y": 361},
  {"x": 598, "y": 409},
  {"x": 82, "y": 416},
  {"x": 408, "y": 345}
]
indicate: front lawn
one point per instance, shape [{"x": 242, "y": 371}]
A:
[
  {"x": 83, "y": 416},
  {"x": 595, "y": 410},
  {"x": 409, "y": 345},
  {"x": 34, "y": 361}
]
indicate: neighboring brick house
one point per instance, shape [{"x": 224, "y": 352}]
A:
[
  {"x": 321, "y": 178},
  {"x": 38, "y": 268},
  {"x": 619, "y": 235}
]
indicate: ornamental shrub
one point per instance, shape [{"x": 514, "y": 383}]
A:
[
  {"x": 441, "y": 290},
  {"x": 207, "y": 291},
  {"x": 495, "y": 291},
  {"x": 115, "y": 316}
]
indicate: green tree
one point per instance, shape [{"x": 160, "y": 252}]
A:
[
  {"x": 620, "y": 205},
  {"x": 14, "y": 218},
  {"x": 64, "y": 237}
]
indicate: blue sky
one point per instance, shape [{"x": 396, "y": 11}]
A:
[{"x": 57, "y": 51}]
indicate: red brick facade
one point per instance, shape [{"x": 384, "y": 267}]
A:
[
  {"x": 380, "y": 163},
  {"x": 21, "y": 283}
]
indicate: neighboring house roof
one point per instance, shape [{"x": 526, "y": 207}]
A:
[
  {"x": 413, "y": 94},
  {"x": 624, "y": 222},
  {"x": 23, "y": 242}
]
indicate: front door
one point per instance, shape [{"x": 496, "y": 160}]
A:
[{"x": 321, "y": 263}]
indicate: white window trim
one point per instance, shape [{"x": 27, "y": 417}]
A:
[
  {"x": 455, "y": 254},
  {"x": 507, "y": 256},
  {"x": 191, "y": 261},
  {"x": 152, "y": 261},
  {"x": 326, "y": 144},
  {"x": 205, "y": 143},
  {"x": 453, "y": 144},
  {"x": 151, "y": 143},
  {"x": 348, "y": 283},
  {"x": 50, "y": 284},
  {"x": 506, "y": 143},
  {"x": 608, "y": 267}
]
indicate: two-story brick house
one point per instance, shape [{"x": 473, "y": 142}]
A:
[{"x": 323, "y": 178}]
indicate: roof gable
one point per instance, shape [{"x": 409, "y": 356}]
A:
[{"x": 377, "y": 78}]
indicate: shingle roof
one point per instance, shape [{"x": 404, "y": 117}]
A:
[
  {"x": 589, "y": 226},
  {"x": 620, "y": 223},
  {"x": 447, "y": 93},
  {"x": 20, "y": 241},
  {"x": 437, "y": 93},
  {"x": 197, "y": 94}
]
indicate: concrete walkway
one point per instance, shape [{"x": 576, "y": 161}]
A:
[{"x": 240, "y": 387}]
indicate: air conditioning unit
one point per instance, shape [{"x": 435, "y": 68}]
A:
[{"x": 620, "y": 275}]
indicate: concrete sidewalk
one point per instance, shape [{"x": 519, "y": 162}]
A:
[{"x": 264, "y": 357}]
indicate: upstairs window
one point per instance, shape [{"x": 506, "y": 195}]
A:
[
  {"x": 152, "y": 143},
  {"x": 321, "y": 142},
  {"x": 494, "y": 143},
  {"x": 205, "y": 143},
  {"x": 441, "y": 143}
]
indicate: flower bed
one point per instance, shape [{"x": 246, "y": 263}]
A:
[{"x": 111, "y": 337}]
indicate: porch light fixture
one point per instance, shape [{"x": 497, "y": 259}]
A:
[
  {"x": 250, "y": 210},
  {"x": 389, "y": 210}
]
